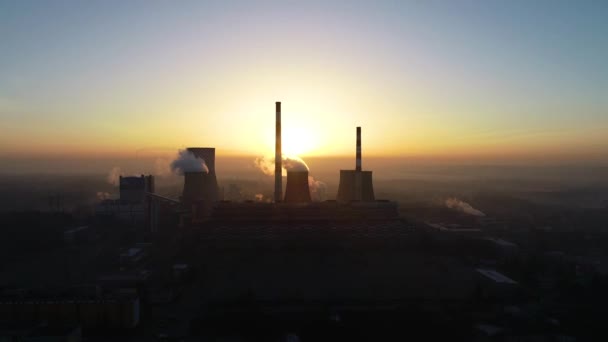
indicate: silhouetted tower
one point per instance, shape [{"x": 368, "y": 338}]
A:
[
  {"x": 278, "y": 157},
  {"x": 356, "y": 185},
  {"x": 358, "y": 162},
  {"x": 297, "y": 189},
  {"x": 201, "y": 185}
]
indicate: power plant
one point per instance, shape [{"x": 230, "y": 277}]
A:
[{"x": 200, "y": 203}]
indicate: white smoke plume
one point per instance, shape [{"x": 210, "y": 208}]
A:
[
  {"x": 186, "y": 161},
  {"x": 266, "y": 165},
  {"x": 318, "y": 189},
  {"x": 293, "y": 163},
  {"x": 290, "y": 163},
  {"x": 162, "y": 167},
  {"x": 114, "y": 175},
  {"x": 462, "y": 206}
]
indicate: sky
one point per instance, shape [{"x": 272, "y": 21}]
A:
[{"x": 471, "y": 80}]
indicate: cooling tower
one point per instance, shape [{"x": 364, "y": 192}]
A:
[
  {"x": 296, "y": 190},
  {"x": 355, "y": 186},
  {"x": 198, "y": 186},
  {"x": 207, "y": 154},
  {"x": 208, "y": 189},
  {"x": 278, "y": 158}
]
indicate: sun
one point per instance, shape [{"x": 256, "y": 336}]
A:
[{"x": 298, "y": 141}]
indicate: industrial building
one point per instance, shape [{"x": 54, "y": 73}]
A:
[
  {"x": 200, "y": 203},
  {"x": 356, "y": 185},
  {"x": 133, "y": 189},
  {"x": 133, "y": 205}
]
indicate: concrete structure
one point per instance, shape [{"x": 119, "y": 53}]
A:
[
  {"x": 209, "y": 190},
  {"x": 133, "y": 189},
  {"x": 297, "y": 190},
  {"x": 278, "y": 158},
  {"x": 198, "y": 186},
  {"x": 356, "y": 185}
]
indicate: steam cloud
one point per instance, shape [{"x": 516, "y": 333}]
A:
[
  {"x": 114, "y": 175},
  {"x": 186, "y": 161},
  {"x": 455, "y": 203},
  {"x": 162, "y": 167},
  {"x": 318, "y": 189},
  {"x": 290, "y": 163}
]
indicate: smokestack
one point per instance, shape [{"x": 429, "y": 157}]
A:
[
  {"x": 297, "y": 190},
  {"x": 278, "y": 157},
  {"x": 358, "y": 162}
]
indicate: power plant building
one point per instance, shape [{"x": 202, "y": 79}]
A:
[
  {"x": 297, "y": 189},
  {"x": 356, "y": 185},
  {"x": 201, "y": 186},
  {"x": 134, "y": 189}
]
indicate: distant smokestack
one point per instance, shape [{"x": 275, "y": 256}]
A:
[
  {"x": 278, "y": 157},
  {"x": 358, "y": 162},
  {"x": 297, "y": 189}
]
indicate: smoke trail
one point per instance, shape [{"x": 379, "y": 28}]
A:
[
  {"x": 114, "y": 175},
  {"x": 266, "y": 165},
  {"x": 318, "y": 189},
  {"x": 290, "y": 163},
  {"x": 455, "y": 203},
  {"x": 186, "y": 161},
  {"x": 293, "y": 163}
]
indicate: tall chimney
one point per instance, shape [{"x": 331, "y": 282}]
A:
[
  {"x": 358, "y": 166},
  {"x": 278, "y": 158}
]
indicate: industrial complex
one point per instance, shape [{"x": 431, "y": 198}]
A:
[
  {"x": 201, "y": 203},
  {"x": 196, "y": 266}
]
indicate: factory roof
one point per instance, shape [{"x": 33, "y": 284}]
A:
[{"x": 496, "y": 276}]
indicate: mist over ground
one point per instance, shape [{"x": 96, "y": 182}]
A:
[{"x": 491, "y": 189}]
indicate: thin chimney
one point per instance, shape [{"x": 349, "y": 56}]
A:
[
  {"x": 278, "y": 158},
  {"x": 358, "y": 166}
]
